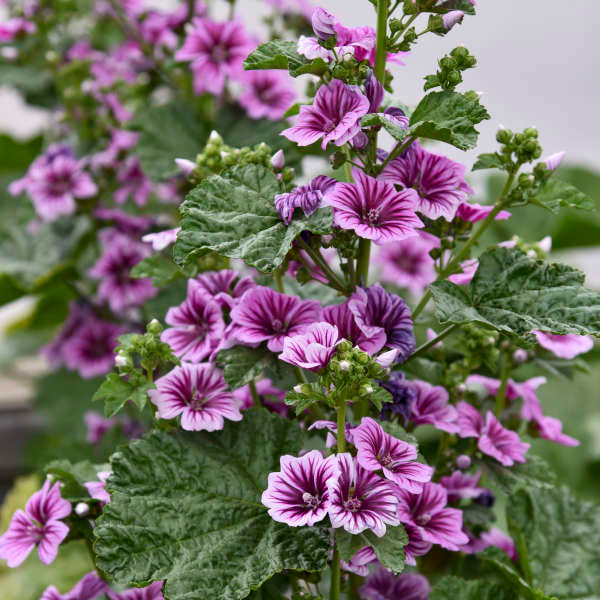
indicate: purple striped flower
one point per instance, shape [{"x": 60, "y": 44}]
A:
[
  {"x": 323, "y": 23},
  {"x": 311, "y": 350},
  {"x": 384, "y": 585},
  {"x": 306, "y": 197},
  {"x": 564, "y": 346},
  {"x": 97, "y": 489},
  {"x": 376, "y": 311},
  {"x": 266, "y": 94},
  {"x": 265, "y": 315},
  {"x": 199, "y": 394},
  {"x": 473, "y": 212},
  {"x": 359, "y": 563},
  {"x": 226, "y": 286},
  {"x": 135, "y": 183},
  {"x": 87, "y": 588},
  {"x": 333, "y": 117},
  {"x": 417, "y": 544},
  {"x": 38, "y": 525},
  {"x": 360, "y": 499},
  {"x": 299, "y": 494},
  {"x": 151, "y": 592},
  {"x": 270, "y": 397},
  {"x": 374, "y": 209},
  {"x": 460, "y": 485},
  {"x": 216, "y": 51},
  {"x": 431, "y": 407},
  {"x": 123, "y": 222},
  {"x": 197, "y": 325},
  {"x": 428, "y": 511},
  {"x": 113, "y": 268},
  {"x": 438, "y": 181},
  {"x": 377, "y": 450}
]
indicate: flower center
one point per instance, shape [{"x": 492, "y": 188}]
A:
[
  {"x": 197, "y": 400},
  {"x": 278, "y": 326},
  {"x": 352, "y": 504},
  {"x": 219, "y": 53},
  {"x": 329, "y": 126},
  {"x": 423, "y": 519},
  {"x": 310, "y": 500},
  {"x": 386, "y": 460},
  {"x": 372, "y": 216},
  {"x": 199, "y": 329}
]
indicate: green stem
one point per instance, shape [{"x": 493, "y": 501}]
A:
[
  {"x": 255, "y": 396},
  {"x": 322, "y": 264},
  {"x": 455, "y": 261},
  {"x": 501, "y": 395},
  {"x": 380, "y": 46},
  {"x": 355, "y": 583},
  {"x": 341, "y": 427},
  {"x": 278, "y": 276},
  {"x": 398, "y": 149},
  {"x": 362, "y": 262},
  {"x": 424, "y": 347},
  {"x": 299, "y": 375}
]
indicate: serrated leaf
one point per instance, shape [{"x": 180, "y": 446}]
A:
[
  {"x": 488, "y": 161},
  {"x": 454, "y": 588},
  {"x": 516, "y": 294},
  {"x": 233, "y": 214},
  {"x": 448, "y": 117},
  {"x": 535, "y": 473},
  {"x": 187, "y": 509},
  {"x": 560, "y": 537},
  {"x": 159, "y": 267},
  {"x": 116, "y": 392},
  {"x": 556, "y": 194},
  {"x": 380, "y": 120}
]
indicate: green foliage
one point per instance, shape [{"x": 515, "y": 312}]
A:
[
  {"x": 454, "y": 588},
  {"x": 233, "y": 214},
  {"x": 304, "y": 396},
  {"x": 17, "y": 155},
  {"x": 488, "y": 161},
  {"x": 448, "y": 117},
  {"x": 159, "y": 267},
  {"x": 280, "y": 54},
  {"x": 556, "y": 194},
  {"x": 515, "y": 294},
  {"x": 380, "y": 120},
  {"x": 535, "y": 473},
  {"x": 74, "y": 476},
  {"x": 117, "y": 392},
  {"x": 189, "y": 500}
]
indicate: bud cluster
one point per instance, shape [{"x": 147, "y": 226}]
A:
[
  {"x": 451, "y": 67},
  {"x": 524, "y": 147}
]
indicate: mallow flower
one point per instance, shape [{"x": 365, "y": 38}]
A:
[
  {"x": 431, "y": 407},
  {"x": 384, "y": 585},
  {"x": 89, "y": 587},
  {"x": 311, "y": 350},
  {"x": 306, "y": 197},
  {"x": 564, "y": 346},
  {"x": 266, "y": 94}
]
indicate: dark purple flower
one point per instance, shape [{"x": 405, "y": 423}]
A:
[
  {"x": 38, "y": 525},
  {"x": 377, "y": 450},
  {"x": 473, "y": 212},
  {"x": 299, "y": 493},
  {"x": 216, "y": 51},
  {"x": 135, "y": 183},
  {"x": 359, "y": 562},
  {"x": 427, "y": 511},
  {"x": 360, "y": 499},
  {"x": 438, "y": 181},
  {"x": 311, "y": 350},
  {"x": 374, "y": 209},
  {"x": 199, "y": 394},
  {"x": 460, "y": 485},
  {"x": 431, "y": 407},
  {"x": 403, "y": 397},
  {"x": 323, "y": 23},
  {"x": 87, "y": 588},
  {"x": 376, "y": 310},
  {"x": 375, "y": 92},
  {"x": 265, "y": 315},
  {"x": 333, "y": 117},
  {"x": 307, "y": 197},
  {"x": 266, "y": 94},
  {"x": 384, "y": 585},
  {"x": 417, "y": 544},
  {"x": 97, "y": 426},
  {"x": 113, "y": 269},
  {"x": 123, "y": 222},
  {"x": 150, "y": 592}
]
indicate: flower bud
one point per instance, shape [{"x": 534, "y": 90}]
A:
[
  {"x": 82, "y": 509},
  {"x": 503, "y": 136},
  {"x": 360, "y": 140},
  {"x": 323, "y": 23},
  {"x": 298, "y": 388},
  {"x": 366, "y": 389},
  {"x": 185, "y": 166},
  {"x": 345, "y": 365},
  {"x": 278, "y": 160},
  {"x": 553, "y": 161},
  {"x": 345, "y": 346},
  {"x": 121, "y": 360},
  {"x": 451, "y": 18},
  {"x": 374, "y": 90},
  {"x": 154, "y": 327},
  {"x": 463, "y": 461},
  {"x": 520, "y": 356}
]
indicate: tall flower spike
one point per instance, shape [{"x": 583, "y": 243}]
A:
[
  {"x": 299, "y": 494},
  {"x": 374, "y": 209},
  {"x": 265, "y": 315},
  {"x": 379, "y": 450},
  {"x": 333, "y": 117},
  {"x": 199, "y": 394},
  {"x": 360, "y": 499}
]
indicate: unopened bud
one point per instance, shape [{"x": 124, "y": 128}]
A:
[
  {"x": 323, "y": 23},
  {"x": 185, "y": 166},
  {"x": 82, "y": 509},
  {"x": 214, "y": 137},
  {"x": 463, "y": 461},
  {"x": 345, "y": 365},
  {"x": 366, "y": 390},
  {"x": 278, "y": 160},
  {"x": 553, "y": 161},
  {"x": 520, "y": 356},
  {"x": 154, "y": 327},
  {"x": 451, "y": 18},
  {"x": 120, "y": 360}
]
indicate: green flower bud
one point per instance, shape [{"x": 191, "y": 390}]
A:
[
  {"x": 447, "y": 63},
  {"x": 154, "y": 327},
  {"x": 344, "y": 346},
  {"x": 504, "y": 136},
  {"x": 395, "y": 25}
]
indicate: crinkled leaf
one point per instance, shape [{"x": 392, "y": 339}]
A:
[
  {"x": 281, "y": 54},
  {"x": 535, "y": 473},
  {"x": 233, "y": 214},
  {"x": 116, "y": 392},
  {"x": 556, "y": 194},
  {"x": 159, "y": 267},
  {"x": 488, "y": 161},
  {"x": 515, "y": 294},
  {"x": 379, "y": 396},
  {"x": 448, "y": 117},
  {"x": 303, "y": 400},
  {"x": 559, "y": 538},
  {"x": 379, "y": 119},
  {"x": 187, "y": 509},
  {"x": 454, "y": 588}
]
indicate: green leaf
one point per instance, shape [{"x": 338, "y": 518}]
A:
[
  {"x": 515, "y": 294},
  {"x": 280, "y": 54},
  {"x": 74, "y": 476},
  {"x": 448, "y": 117},
  {"x": 488, "y": 161},
  {"x": 560, "y": 538},
  {"x": 535, "y": 473},
  {"x": 233, "y": 214},
  {"x": 187, "y": 509},
  {"x": 116, "y": 392},
  {"x": 16, "y": 154},
  {"x": 380, "y": 120},
  {"x": 301, "y": 400},
  {"x": 379, "y": 396},
  {"x": 159, "y": 267},
  {"x": 556, "y": 194},
  {"x": 168, "y": 132},
  {"x": 454, "y": 588}
]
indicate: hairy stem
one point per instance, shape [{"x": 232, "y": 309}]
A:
[
  {"x": 255, "y": 396},
  {"x": 278, "y": 276},
  {"x": 362, "y": 262},
  {"x": 398, "y": 149},
  {"x": 380, "y": 46}
]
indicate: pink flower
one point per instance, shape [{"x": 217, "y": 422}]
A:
[
  {"x": 323, "y": 23},
  {"x": 226, "y": 286},
  {"x": 87, "y": 588},
  {"x": 460, "y": 485},
  {"x": 199, "y": 394},
  {"x": 550, "y": 428},
  {"x": 97, "y": 426},
  {"x": 360, "y": 499},
  {"x": 358, "y": 564},
  {"x": 428, "y": 512},
  {"x": 473, "y": 212},
  {"x": 307, "y": 197},
  {"x": 496, "y": 537},
  {"x": 135, "y": 183},
  {"x": 311, "y": 350},
  {"x": 377, "y": 450},
  {"x": 299, "y": 494},
  {"x": 266, "y": 94},
  {"x": 383, "y": 585},
  {"x": 97, "y": 489},
  {"x": 216, "y": 51},
  {"x": 38, "y": 525},
  {"x": 564, "y": 346},
  {"x": 554, "y": 161},
  {"x": 439, "y": 182},
  {"x": 469, "y": 268},
  {"x": 151, "y": 592},
  {"x": 270, "y": 396},
  {"x": 123, "y": 222},
  {"x": 265, "y": 315},
  {"x": 120, "y": 141},
  {"x": 162, "y": 239},
  {"x": 374, "y": 209},
  {"x": 333, "y": 117},
  {"x": 431, "y": 407},
  {"x": 12, "y": 28},
  {"x": 197, "y": 324},
  {"x": 408, "y": 263}
]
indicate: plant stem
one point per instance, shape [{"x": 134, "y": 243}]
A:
[
  {"x": 255, "y": 396},
  {"x": 355, "y": 583},
  {"x": 341, "y": 427},
  {"x": 424, "y": 347},
  {"x": 380, "y": 45},
  {"x": 455, "y": 261},
  {"x": 322, "y": 264},
  {"x": 299, "y": 375},
  {"x": 362, "y": 262},
  {"x": 398, "y": 149},
  {"x": 501, "y": 395},
  {"x": 278, "y": 276}
]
